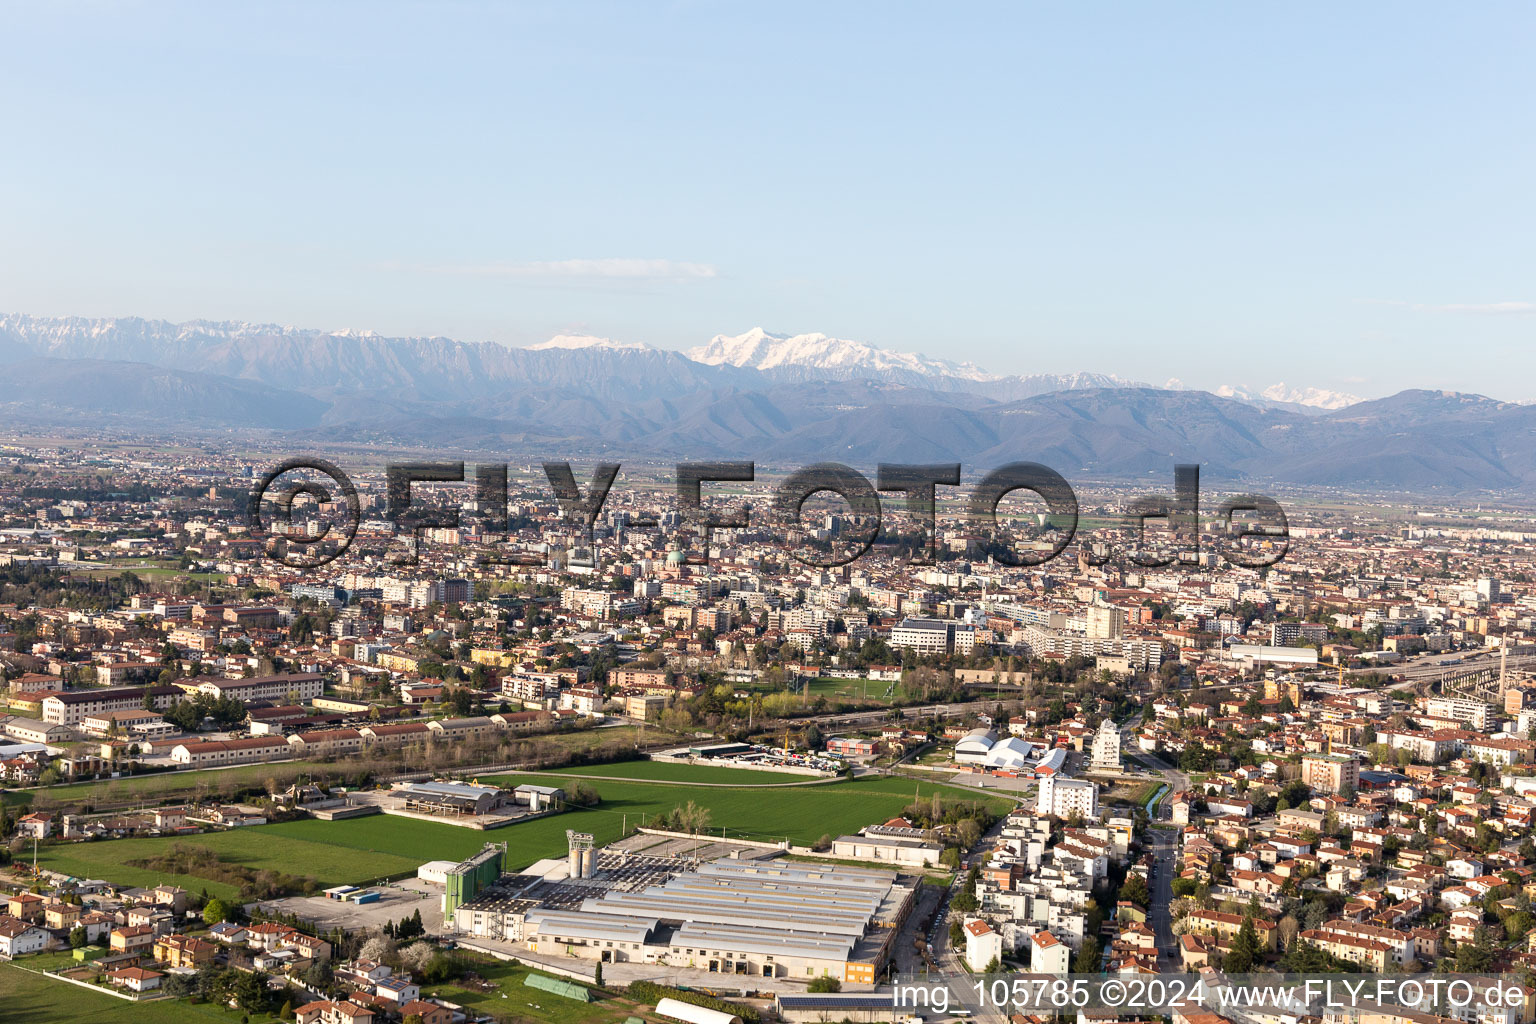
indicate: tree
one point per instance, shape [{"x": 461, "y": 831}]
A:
[
  {"x": 825, "y": 983},
  {"x": 956, "y": 932},
  {"x": 690, "y": 818},
  {"x": 1245, "y": 949},
  {"x": 1288, "y": 930},
  {"x": 319, "y": 977},
  {"x": 1087, "y": 959},
  {"x": 1134, "y": 890},
  {"x": 378, "y": 948},
  {"x": 992, "y": 966},
  {"x": 1472, "y": 957},
  {"x": 77, "y": 937},
  {"x": 251, "y": 992},
  {"x": 597, "y": 975},
  {"x": 215, "y": 911},
  {"x": 1237, "y": 961},
  {"x": 417, "y": 956}
]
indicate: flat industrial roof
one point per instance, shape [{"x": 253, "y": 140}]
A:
[
  {"x": 571, "y": 924},
  {"x": 765, "y": 940}
]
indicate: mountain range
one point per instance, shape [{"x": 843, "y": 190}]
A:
[{"x": 777, "y": 399}]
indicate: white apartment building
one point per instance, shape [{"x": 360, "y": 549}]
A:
[
  {"x": 1105, "y": 622},
  {"x": 1064, "y": 797},
  {"x": 926, "y": 636},
  {"x": 1473, "y": 712},
  {"x": 1106, "y": 747}
]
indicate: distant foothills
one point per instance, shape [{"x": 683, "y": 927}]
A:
[{"x": 777, "y": 399}]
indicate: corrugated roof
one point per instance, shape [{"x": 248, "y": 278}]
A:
[{"x": 573, "y": 924}]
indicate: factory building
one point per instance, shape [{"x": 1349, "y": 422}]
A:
[
  {"x": 469, "y": 878},
  {"x": 450, "y": 797},
  {"x": 757, "y": 918},
  {"x": 464, "y": 799}
]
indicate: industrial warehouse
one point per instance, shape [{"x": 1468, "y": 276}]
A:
[
  {"x": 711, "y": 906},
  {"x": 451, "y": 802}
]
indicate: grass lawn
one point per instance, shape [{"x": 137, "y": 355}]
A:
[
  {"x": 513, "y": 1001},
  {"x": 365, "y": 850},
  {"x": 801, "y": 814},
  {"x": 586, "y": 739},
  {"x": 872, "y": 690},
  {"x": 1130, "y": 793},
  {"x": 31, "y": 997},
  {"x": 365, "y": 859}
]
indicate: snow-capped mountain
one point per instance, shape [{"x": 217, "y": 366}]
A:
[
  {"x": 1312, "y": 398},
  {"x": 829, "y": 357},
  {"x": 818, "y": 357},
  {"x": 574, "y": 342}
]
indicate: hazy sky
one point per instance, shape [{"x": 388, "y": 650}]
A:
[{"x": 1223, "y": 193}]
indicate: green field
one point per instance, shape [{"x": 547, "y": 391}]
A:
[
  {"x": 800, "y": 814},
  {"x": 851, "y": 689},
  {"x": 357, "y": 851},
  {"x": 514, "y": 1001},
  {"x": 364, "y": 850},
  {"x": 31, "y": 997}
]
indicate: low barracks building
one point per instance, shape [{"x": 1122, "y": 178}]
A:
[{"x": 219, "y": 752}]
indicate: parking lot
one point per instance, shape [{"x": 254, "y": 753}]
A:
[{"x": 397, "y": 900}]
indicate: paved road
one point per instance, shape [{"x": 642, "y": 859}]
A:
[
  {"x": 948, "y": 958},
  {"x": 1164, "y": 846}
]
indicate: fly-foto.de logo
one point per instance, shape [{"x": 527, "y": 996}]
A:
[{"x": 1251, "y": 530}]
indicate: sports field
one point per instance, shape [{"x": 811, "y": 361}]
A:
[{"x": 364, "y": 850}]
